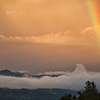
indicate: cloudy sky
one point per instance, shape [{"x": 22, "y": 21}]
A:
[{"x": 47, "y": 35}]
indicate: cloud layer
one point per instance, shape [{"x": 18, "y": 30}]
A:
[
  {"x": 84, "y": 37},
  {"x": 69, "y": 80},
  {"x": 29, "y": 17}
]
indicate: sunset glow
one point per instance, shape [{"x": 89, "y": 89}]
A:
[{"x": 49, "y": 35}]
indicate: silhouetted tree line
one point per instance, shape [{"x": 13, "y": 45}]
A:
[
  {"x": 68, "y": 97},
  {"x": 90, "y": 93}
]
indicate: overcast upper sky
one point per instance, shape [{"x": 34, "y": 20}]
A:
[{"x": 47, "y": 35}]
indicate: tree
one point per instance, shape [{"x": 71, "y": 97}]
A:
[
  {"x": 68, "y": 97},
  {"x": 74, "y": 97},
  {"x": 90, "y": 93}
]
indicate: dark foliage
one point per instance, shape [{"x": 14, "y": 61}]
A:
[
  {"x": 90, "y": 93},
  {"x": 69, "y": 97}
]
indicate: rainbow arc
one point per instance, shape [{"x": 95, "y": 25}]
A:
[{"x": 93, "y": 9}]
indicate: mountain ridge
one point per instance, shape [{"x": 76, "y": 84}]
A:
[
  {"x": 37, "y": 94},
  {"x": 79, "y": 69}
]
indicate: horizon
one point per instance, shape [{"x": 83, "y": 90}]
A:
[{"x": 74, "y": 80}]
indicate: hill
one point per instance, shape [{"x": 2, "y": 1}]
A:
[{"x": 38, "y": 94}]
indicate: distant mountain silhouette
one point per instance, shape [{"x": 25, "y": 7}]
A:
[
  {"x": 79, "y": 69},
  {"x": 38, "y": 94},
  {"x": 7, "y": 72}
]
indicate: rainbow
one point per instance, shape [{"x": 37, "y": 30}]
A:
[{"x": 93, "y": 11}]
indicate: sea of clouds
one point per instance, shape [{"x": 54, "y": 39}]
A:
[{"x": 68, "y": 80}]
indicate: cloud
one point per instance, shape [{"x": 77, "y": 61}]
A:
[
  {"x": 53, "y": 73},
  {"x": 34, "y": 1},
  {"x": 29, "y": 17},
  {"x": 14, "y": 14},
  {"x": 84, "y": 37},
  {"x": 69, "y": 80}
]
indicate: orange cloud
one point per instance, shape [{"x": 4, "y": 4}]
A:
[{"x": 84, "y": 37}]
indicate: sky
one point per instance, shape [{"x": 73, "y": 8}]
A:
[{"x": 47, "y": 35}]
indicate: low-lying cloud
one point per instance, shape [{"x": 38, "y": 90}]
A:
[{"x": 69, "y": 80}]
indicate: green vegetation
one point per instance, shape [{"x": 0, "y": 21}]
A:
[{"x": 90, "y": 93}]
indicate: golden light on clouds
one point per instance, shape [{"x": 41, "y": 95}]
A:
[
  {"x": 46, "y": 21},
  {"x": 84, "y": 37},
  {"x": 46, "y": 33},
  {"x": 38, "y": 17}
]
